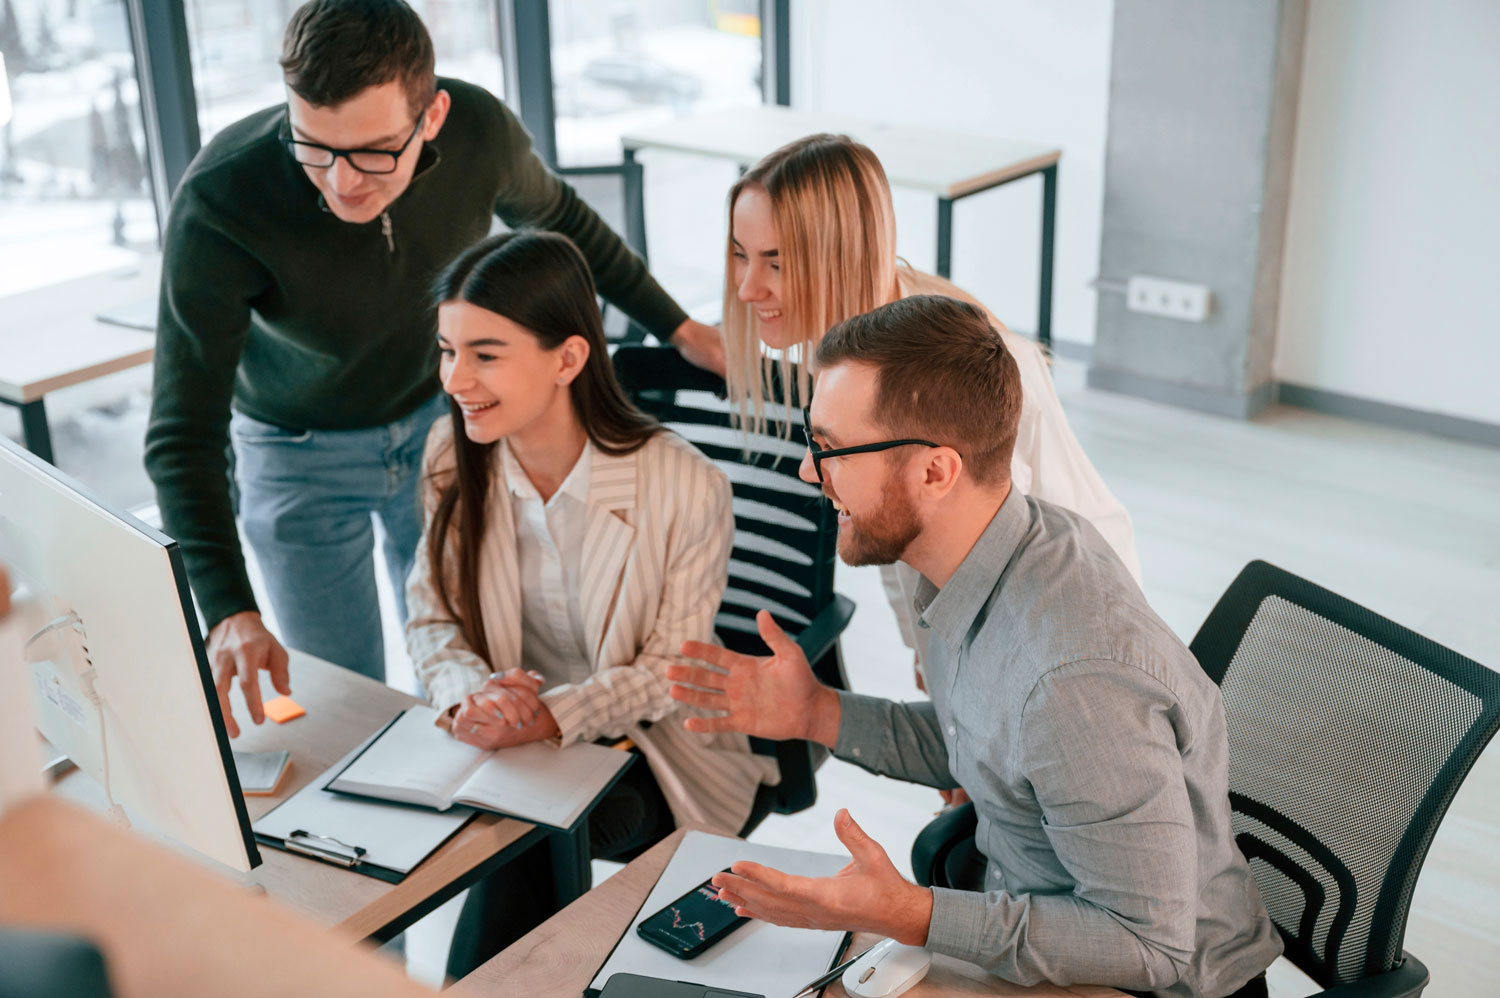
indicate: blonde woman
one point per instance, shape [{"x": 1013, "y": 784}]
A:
[{"x": 812, "y": 242}]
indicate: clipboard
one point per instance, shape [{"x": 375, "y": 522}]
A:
[{"x": 378, "y": 839}]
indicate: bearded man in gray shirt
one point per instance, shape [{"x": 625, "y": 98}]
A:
[{"x": 1089, "y": 738}]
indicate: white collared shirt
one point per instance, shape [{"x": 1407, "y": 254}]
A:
[{"x": 549, "y": 550}]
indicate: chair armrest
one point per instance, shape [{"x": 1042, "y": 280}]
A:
[
  {"x": 822, "y": 632},
  {"x": 930, "y": 849},
  {"x": 1403, "y": 981}
]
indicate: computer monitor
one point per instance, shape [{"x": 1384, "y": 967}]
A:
[{"x": 115, "y": 660}]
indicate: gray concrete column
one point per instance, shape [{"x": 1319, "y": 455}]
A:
[{"x": 1202, "y": 114}]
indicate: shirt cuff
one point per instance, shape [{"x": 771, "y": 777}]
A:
[
  {"x": 957, "y": 926},
  {"x": 569, "y": 709},
  {"x": 448, "y": 687},
  {"x": 863, "y": 730}
]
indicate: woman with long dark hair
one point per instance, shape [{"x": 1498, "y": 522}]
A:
[{"x": 572, "y": 545}]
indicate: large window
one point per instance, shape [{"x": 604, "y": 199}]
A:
[
  {"x": 235, "y": 45},
  {"x": 75, "y": 194},
  {"x": 617, "y": 65},
  {"x": 620, "y": 65}
]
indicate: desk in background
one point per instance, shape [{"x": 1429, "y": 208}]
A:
[
  {"x": 50, "y": 338},
  {"x": 950, "y": 165},
  {"x": 559, "y": 958}
]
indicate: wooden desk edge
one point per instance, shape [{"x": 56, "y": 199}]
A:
[
  {"x": 561, "y": 956},
  {"x": 954, "y": 191},
  {"x": 995, "y": 178},
  {"x": 33, "y": 390},
  {"x": 533, "y": 965},
  {"x": 452, "y": 861}
]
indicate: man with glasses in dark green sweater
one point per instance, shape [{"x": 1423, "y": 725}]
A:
[{"x": 296, "y": 320}]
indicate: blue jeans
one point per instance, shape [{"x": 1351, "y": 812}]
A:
[{"x": 308, "y": 499}]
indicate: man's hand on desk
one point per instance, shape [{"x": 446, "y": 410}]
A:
[
  {"x": 868, "y": 895},
  {"x": 240, "y": 646},
  {"x": 506, "y": 711},
  {"x": 776, "y": 697}
]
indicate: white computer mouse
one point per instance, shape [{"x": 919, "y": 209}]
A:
[{"x": 888, "y": 970}]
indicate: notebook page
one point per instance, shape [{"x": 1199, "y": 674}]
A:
[
  {"x": 542, "y": 783},
  {"x": 414, "y": 760}
]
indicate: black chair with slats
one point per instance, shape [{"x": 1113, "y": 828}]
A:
[
  {"x": 1349, "y": 736},
  {"x": 785, "y": 538}
]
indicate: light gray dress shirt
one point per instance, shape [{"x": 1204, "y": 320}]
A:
[{"x": 1093, "y": 746}]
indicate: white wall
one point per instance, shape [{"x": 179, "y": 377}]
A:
[
  {"x": 1026, "y": 69},
  {"x": 1389, "y": 288}
]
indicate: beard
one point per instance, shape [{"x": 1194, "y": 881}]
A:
[{"x": 881, "y": 537}]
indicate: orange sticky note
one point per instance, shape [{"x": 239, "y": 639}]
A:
[{"x": 283, "y": 709}]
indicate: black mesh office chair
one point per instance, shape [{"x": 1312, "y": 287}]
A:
[
  {"x": 785, "y": 538},
  {"x": 1348, "y": 737}
]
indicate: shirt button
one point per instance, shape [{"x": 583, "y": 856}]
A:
[
  {"x": 856, "y": 753},
  {"x": 952, "y": 730}
]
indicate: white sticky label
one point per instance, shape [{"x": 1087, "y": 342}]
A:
[{"x": 52, "y": 691}]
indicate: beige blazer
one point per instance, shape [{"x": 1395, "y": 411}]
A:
[{"x": 655, "y": 564}]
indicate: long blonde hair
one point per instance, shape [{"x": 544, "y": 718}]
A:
[{"x": 836, "y": 236}]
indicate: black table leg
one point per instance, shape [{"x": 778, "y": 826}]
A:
[
  {"x": 945, "y": 238},
  {"x": 635, "y": 204},
  {"x": 571, "y": 869},
  {"x": 34, "y": 429},
  {"x": 1049, "y": 231}
]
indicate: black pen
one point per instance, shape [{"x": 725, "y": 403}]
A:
[{"x": 828, "y": 976}]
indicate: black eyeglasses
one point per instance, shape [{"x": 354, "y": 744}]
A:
[
  {"x": 821, "y": 454},
  {"x": 364, "y": 160}
]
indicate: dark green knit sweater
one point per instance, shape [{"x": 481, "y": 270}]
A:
[{"x": 272, "y": 303}]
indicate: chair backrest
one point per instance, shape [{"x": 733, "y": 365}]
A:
[
  {"x": 785, "y": 535},
  {"x": 1348, "y": 737}
]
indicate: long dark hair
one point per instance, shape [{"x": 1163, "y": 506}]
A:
[{"x": 540, "y": 281}]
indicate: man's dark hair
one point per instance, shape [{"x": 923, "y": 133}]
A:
[
  {"x": 335, "y": 49},
  {"x": 943, "y": 374}
]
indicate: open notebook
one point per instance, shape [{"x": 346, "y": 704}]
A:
[{"x": 415, "y": 762}]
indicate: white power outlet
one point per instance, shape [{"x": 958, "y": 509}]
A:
[{"x": 1173, "y": 299}]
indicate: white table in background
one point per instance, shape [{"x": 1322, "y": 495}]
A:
[{"x": 950, "y": 165}]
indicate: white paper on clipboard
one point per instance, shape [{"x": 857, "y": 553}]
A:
[
  {"x": 393, "y": 836},
  {"x": 758, "y": 957}
]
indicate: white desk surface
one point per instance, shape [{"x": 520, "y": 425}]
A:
[
  {"x": 949, "y": 164},
  {"x": 50, "y": 338}
]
